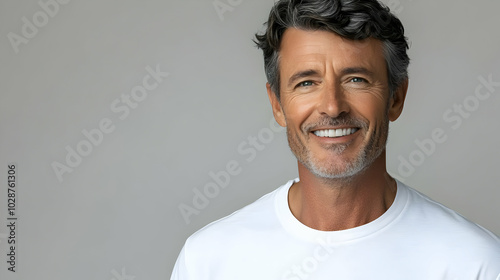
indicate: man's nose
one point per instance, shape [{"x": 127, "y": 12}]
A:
[{"x": 333, "y": 101}]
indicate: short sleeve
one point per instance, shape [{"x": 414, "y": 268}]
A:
[{"x": 180, "y": 271}]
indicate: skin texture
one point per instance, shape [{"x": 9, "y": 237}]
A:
[{"x": 329, "y": 82}]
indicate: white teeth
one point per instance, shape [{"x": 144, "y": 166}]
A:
[{"x": 335, "y": 132}]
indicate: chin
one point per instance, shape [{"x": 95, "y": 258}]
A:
[{"x": 347, "y": 169}]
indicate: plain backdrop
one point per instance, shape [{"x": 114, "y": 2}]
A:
[{"x": 73, "y": 67}]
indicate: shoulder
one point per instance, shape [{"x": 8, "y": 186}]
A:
[
  {"x": 257, "y": 217},
  {"x": 446, "y": 227}
]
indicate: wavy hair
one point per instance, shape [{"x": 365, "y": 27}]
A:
[{"x": 351, "y": 19}]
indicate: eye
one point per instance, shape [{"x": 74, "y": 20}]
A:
[
  {"x": 358, "y": 80},
  {"x": 305, "y": 84}
]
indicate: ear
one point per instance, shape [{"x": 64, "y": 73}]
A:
[
  {"x": 279, "y": 116},
  {"x": 397, "y": 101}
]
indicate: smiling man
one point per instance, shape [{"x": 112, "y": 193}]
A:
[
  {"x": 336, "y": 103},
  {"x": 337, "y": 75}
]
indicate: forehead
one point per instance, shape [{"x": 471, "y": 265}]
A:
[{"x": 305, "y": 49}]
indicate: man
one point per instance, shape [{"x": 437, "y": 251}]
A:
[{"x": 337, "y": 74}]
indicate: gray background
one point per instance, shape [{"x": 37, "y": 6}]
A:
[{"x": 116, "y": 215}]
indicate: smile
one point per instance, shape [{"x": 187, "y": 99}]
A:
[{"x": 339, "y": 132}]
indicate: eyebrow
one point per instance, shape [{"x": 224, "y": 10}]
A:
[
  {"x": 356, "y": 70},
  {"x": 343, "y": 72},
  {"x": 302, "y": 74}
]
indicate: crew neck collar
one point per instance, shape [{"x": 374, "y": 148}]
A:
[{"x": 299, "y": 230}]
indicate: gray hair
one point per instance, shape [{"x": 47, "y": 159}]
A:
[{"x": 351, "y": 19}]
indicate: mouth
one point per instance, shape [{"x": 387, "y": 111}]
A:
[{"x": 334, "y": 133}]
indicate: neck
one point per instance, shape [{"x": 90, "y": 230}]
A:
[{"x": 337, "y": 204}]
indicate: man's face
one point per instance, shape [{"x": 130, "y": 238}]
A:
[{"x": 334, "y": 101}]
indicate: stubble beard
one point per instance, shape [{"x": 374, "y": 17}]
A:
[{"x": 340, "y": 169}]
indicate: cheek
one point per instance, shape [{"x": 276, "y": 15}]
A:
[
  {"x": 298, "y": 109},
  {"x": 372, "y": 108}
]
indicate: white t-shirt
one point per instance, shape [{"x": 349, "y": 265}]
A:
[{"x": 416, "y": 238}]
